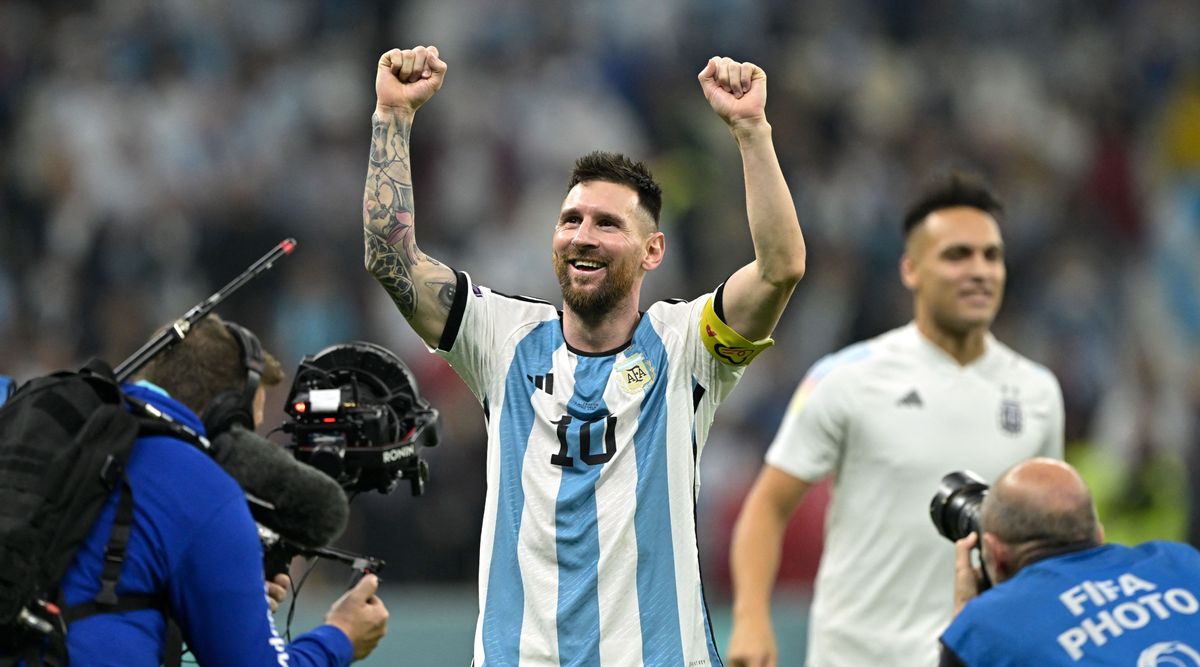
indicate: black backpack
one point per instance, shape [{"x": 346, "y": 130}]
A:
[{"x": 65, "y": 440}]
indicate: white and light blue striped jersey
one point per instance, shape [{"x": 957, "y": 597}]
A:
[{"x": 588, "y": 553}]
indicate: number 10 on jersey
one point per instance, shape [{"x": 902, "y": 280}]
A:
[{"x": 577, "y": 435}]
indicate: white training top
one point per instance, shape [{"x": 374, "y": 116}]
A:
[
  {"x": 889, "y": 417},
  {"x": 588, "y": 551}
]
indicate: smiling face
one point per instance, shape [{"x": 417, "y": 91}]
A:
[
  {"x": 954, "y": 265},
  {"x": 604, "y": 243}
]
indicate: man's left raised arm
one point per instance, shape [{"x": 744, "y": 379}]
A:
[{"x": 755, "y": 295}]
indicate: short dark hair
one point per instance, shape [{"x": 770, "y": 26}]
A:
[
  {"x": 616, "y": 168},
  {"x": 204, "y": 364},
  {"x": 950, "y": 190}
]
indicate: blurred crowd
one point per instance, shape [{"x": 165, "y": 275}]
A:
[{"x": 151, "y": 150}]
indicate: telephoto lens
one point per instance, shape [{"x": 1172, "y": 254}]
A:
[{"x": 955, "y": 507}]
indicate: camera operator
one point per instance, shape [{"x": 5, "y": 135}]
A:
[
  {"x": 193, "y": 547},
  {"x": 1061, "y": 596}
]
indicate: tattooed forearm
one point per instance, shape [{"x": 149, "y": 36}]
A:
[
  {"x": 392, "y": 271},
  {"x": 391, "y": 248},
  {"x": 388, "y": 198},
  {"x": 422, "y": 288},
  {"x": 389, "y": 144}
]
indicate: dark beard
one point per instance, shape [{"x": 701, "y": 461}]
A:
[{"x": 593, "y": 307}]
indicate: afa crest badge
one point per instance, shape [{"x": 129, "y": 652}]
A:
[
  {"x": 1011, "y": 419},
  {"x": 634, "y": 374}
]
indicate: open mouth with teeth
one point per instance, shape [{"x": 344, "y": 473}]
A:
[{"x": 586, "y": 265}]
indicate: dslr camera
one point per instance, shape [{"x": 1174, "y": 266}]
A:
[
  {"x": 355, "y": 413},
  {"x": 955, "y": 510},
  {"x": 955, "y": 507}
]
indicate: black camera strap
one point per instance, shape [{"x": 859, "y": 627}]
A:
[{"x": 108, "y": 602}]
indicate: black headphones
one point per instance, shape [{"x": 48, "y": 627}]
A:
[{"x": 237, "y": 407}]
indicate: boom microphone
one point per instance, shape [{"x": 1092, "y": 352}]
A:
[
  {"x": 310, "y": 509},
  {"x": 179, "y": 328}
]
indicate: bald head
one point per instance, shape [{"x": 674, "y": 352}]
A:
[{"x": 1040, "y": 500}]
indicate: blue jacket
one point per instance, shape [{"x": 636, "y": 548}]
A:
[
  {"x": 1109, "y": 605},
  {"x": 194, "y": 541}
]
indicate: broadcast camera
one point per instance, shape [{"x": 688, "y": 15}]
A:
[
  {"x": 955, "y": 509},
  {"x": 356, "y": 415}
]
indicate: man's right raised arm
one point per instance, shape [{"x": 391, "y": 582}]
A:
[{"x": 422, "y": 288}]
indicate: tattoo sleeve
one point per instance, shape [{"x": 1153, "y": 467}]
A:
[{"x": 391, "y": 249}]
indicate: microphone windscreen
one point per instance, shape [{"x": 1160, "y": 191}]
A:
[{"x": 311, "y": 510}]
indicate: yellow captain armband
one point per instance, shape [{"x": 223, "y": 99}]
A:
[{"x": 726, "y": 345}]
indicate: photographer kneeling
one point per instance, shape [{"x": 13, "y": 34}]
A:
[
  {"x": 193, "y": 549},
  {"x": 1061, "y": 596}
]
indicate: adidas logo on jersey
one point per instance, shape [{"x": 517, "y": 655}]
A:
[
  {"x": 543, "y": 382},
  {"x": 912, "y": 400}
]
